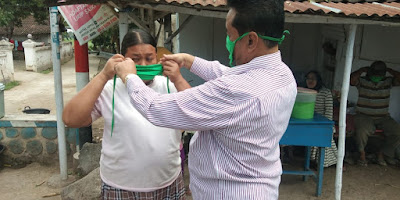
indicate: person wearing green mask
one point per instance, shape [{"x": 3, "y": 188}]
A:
[
  {"x": 240, "y": 113},
  {"x": 138, "y": 159},
  {"x": 373, "y": 110}
]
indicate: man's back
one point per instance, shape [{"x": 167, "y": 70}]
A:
[{"x": 241, "y": 160}]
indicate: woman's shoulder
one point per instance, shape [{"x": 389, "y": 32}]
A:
[
  {"x": 109, "y": 86},
  {"x": 161, "y": 83}
]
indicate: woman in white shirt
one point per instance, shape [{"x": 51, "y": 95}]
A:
[{"x": 138, "y": 160}]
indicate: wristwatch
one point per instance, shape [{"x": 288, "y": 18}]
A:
[{"x": 126, "y": 79}]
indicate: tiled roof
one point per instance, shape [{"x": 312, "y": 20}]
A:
[
  {"x": 217, "y": 3},
  {"x": 386, "y": 9},
  {"x": 29, "y": 25},
  {"x": 214, "y": 3},
  {"x": 352, "y": 8}
]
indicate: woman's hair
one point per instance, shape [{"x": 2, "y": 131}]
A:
[
  {"x": 135, "y": 37},
  {"x": 320, "y": 84}
]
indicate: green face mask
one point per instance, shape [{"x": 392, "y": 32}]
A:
[
  {"x": 376, "y": 79},
  {"x": 230, "y": 45},
  {"x": 147, "y": 72}
]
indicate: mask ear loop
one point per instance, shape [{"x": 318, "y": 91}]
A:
[{"x": 279, "y": 40}]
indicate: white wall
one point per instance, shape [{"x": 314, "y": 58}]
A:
[
  {"x": 42, "y": 58},
  {"x": 39, "y": 57},
  {"x": 6, "y": 61},
  {"x": 203, "y": 37},
  {"x": 66, "y": 51},
  {"x": 301, "y": 49}
]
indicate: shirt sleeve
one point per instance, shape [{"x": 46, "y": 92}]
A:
[
  {"x": 96, "y": 112},
  {"x": 207, "y": 70},
  {"x": 205, "y": 107},
  {"x": 97, "y": 109}
]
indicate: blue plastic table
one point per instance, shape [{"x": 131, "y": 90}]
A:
[{"x": 316, "y": 132}]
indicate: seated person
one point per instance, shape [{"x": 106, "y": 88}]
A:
[
  {"x": 323, "y": 106},
  {"x": 373, "y": 110}
]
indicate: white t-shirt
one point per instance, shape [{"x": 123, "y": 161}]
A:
[{"x": 139, "y": 156}]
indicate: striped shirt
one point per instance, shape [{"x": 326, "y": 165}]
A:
[
  {"x": 374, "y": 98},
  {"x": 324, "y": 103},
  {"x": 324, "y": 106},
  {"x": 241, "y": 114}
]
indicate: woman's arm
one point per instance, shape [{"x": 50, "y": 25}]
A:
[{"x": 77, "y": 112}]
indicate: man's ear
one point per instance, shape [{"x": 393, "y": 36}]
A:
[{"x": 252, "y": 41}]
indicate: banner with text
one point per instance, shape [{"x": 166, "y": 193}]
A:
[{"x": 88, "y": 21}]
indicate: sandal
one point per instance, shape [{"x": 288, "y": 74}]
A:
[
  {"x": 381, "y": 162},
  {"x": 389, "y": 160},
  {"x": 363, "y": 163}
]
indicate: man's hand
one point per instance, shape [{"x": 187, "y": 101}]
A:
[
  {"x": 391, "y": 71},
  {"x": 124, "y": 68},
  {"x": 355, "y": 76},
  {"x": 171, "y": 69},
  {"x": 182, "y": 59},
  {"x": 108, "y": 71}
]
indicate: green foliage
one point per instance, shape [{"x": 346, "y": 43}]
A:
[
  {"x": 107, "y": 41},
  {"x": 91, "y": 46},
  {"x": 47, "y": 71},
  {"x": 12, "y": 12},
  {"x": 11, "y": 84}
]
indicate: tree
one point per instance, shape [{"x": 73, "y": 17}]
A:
[
  {"x": 12, "y": 12},
  {"x": 107, "y": 41}
]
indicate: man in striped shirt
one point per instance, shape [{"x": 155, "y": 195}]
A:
[
  {"x": 241, "y": 113},
  {"x": 373, "y": 110}
]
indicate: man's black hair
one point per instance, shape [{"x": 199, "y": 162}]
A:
[
  {"x": 377, "y": 68},
  {"x": 265, "y": 17},
  {"x": 135, "y": 37}
]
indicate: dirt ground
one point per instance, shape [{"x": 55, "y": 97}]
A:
[{"x": 37, "y": 91}]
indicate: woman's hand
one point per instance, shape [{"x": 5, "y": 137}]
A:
[
  {"x": 171, "y": 70},
  {"x": 108, "y": 71},
  {"x": 182, "y": 59}
]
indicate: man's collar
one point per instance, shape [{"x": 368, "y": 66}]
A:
[{"x": 257, "y": 62}]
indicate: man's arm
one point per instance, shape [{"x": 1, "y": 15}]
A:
[
  {"x": 205, "y": 107},
  {"x": 355, "y": 76},
  {"x": 396, "y": 76},
  {"x": 207, "y": 70}
]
